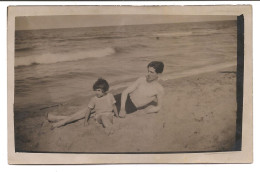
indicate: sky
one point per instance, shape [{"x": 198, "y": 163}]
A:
[{"x": 53, "y": 22}]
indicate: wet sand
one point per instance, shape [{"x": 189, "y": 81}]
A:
[{"x": 198, "y": 114}]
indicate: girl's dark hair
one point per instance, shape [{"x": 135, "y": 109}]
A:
[
  {"x": 157, "y": 65},
  {"x": 101, "y": 84}
]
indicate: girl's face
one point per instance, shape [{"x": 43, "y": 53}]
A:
[{"x": 99, "y": 92}]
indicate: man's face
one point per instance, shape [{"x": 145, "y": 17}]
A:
[{"x": 152, "y": 75}]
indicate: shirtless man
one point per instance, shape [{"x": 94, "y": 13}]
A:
[{"x": 145, "y": 93}]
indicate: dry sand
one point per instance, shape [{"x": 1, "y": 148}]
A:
[{"x": 198, "y": 114}]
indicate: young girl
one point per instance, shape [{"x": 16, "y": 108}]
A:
[{"x": 103, "y": 104}]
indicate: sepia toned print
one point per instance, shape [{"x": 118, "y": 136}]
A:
[{"x": 191, "y": 104}]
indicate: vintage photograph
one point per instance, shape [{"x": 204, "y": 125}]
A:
[{"x": 128, "y": 83}]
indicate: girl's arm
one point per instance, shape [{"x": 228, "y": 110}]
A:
[
  {"x": 87, "y": 115},
  {"x": 115, "y": 110}
]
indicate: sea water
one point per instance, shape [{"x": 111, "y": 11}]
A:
[{"x": 57, "y": 65}]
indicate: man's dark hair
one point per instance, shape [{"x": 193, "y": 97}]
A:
[
  {"x": 157, "y": 65},
  {"x": 101, "y": 84}
]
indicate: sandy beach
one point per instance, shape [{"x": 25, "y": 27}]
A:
[{"x": 198, "y": 114}]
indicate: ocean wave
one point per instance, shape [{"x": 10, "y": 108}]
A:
[
  {"x": 129, "y": 48},
  {"x": 172, "y": 34},
  {"x": 56, "y": 58},
  {"x": 205, "y": 32},
  {"x": 24, "y": 48},
  {"x": 108, "y": 37},
  {"x": 190, "y": 33}
]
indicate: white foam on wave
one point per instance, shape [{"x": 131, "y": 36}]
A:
[
  {"x": 199, "y": 70},
  {"x": 186, "y": 33},
  {"x": 55, "y": 58}
]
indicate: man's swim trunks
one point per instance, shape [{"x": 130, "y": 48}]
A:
[{"x": 129, "y": 105}]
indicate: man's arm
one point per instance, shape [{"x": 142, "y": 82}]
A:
[
  {"x": 129, "y": 89},
  {"x": 87, "y": 115},
  {"x": 115, "y": 110},
  {"x": 155, "y": 109}
]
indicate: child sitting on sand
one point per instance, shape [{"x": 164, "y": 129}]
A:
[{"x": 103, "y": 104}]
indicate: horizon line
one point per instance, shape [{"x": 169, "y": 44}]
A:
[{"x": 125, "y": 25}]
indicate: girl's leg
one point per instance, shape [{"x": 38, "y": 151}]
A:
[
  {"x": 55, "y": 118},
  {"x": 74, "y": 117},
  {"x": 107, "y": 122}
]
